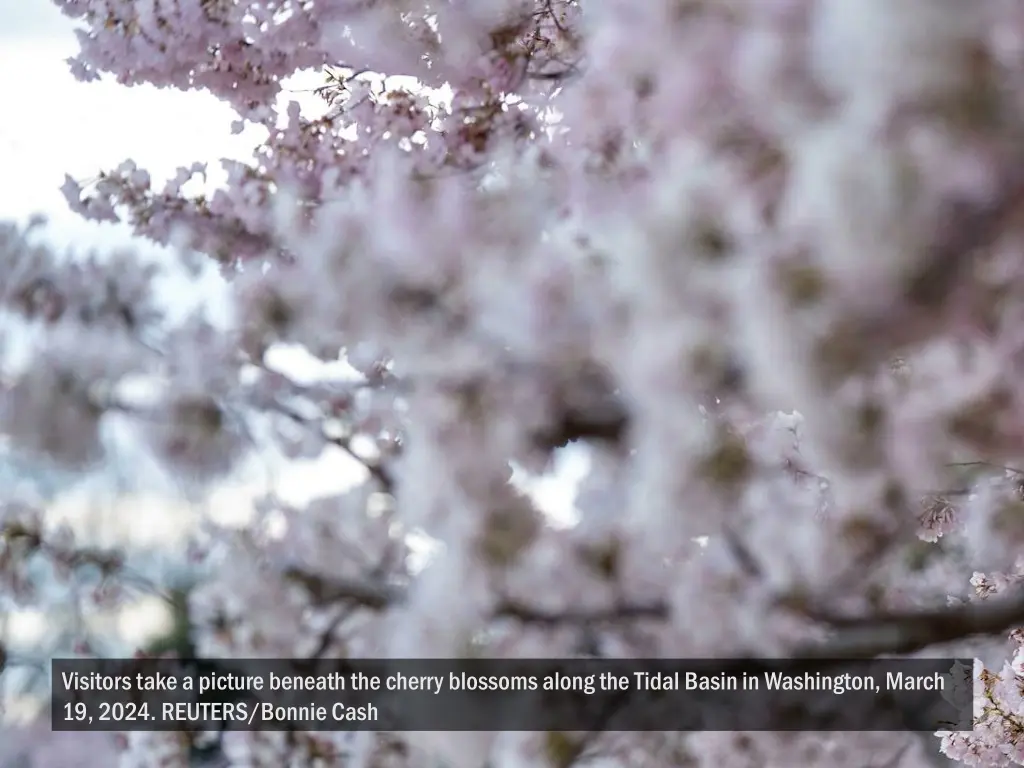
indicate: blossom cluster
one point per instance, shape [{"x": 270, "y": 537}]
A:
[{"x": 759, "y": 262}]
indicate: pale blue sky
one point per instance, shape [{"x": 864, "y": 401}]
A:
[{"x": 53, "y": 124}]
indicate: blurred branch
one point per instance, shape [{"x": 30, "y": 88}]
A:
[
  {"x": 608, "y": 424},
  {"x": 911, "y": 631},
  {"x": 378, "y": 596},
  {"x": 323, "y": 590},
  {"x": 590, "y": 409},
  {"x": 511, "y": 609},
  {"x": 963, "y": 229},
  {"x": 107, "y": 562},
  {"x": 988, "y": 464},
  {"x": 380, "y": 473}
]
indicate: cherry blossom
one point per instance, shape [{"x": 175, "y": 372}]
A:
[{"x": 759, "y": 265}]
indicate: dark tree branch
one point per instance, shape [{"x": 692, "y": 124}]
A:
[
  {"x": 512, "y": 609},
  {"x": 377, "y": 471},
  {"x": 902, "y": 633},
  {"x": 609, "y": 425},
  {"x": 379, "y": 596},
  {"x": 380, "y": 473},
  {"x": 591, "y": 409},
  {"x": 323, "y": 591},
  {"x": 854, "y": 637},
  {"x": 962, "y": 229}
]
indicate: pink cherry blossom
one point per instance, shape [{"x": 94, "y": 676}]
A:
[{"x": 757, "y": 266}]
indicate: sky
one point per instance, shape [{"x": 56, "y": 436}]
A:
[{"x": 55, "y": 125}]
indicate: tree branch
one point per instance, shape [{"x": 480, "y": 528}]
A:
[
  {"x": 608, "y": 425},
  {"x": 855, "y": 637},
  {"x": 380, "y": 473},
  {"x": 377, "y": 470},
  {"x": 902, "y": 633},
  {"x": 322, "y": 590},
  {"x": 378, "y": 596},
  {"x": 590, "y": 409},
  {"x": 513, "y": 609}
]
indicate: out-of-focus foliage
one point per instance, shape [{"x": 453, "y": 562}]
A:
[{"x": 761, "y": 262}]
